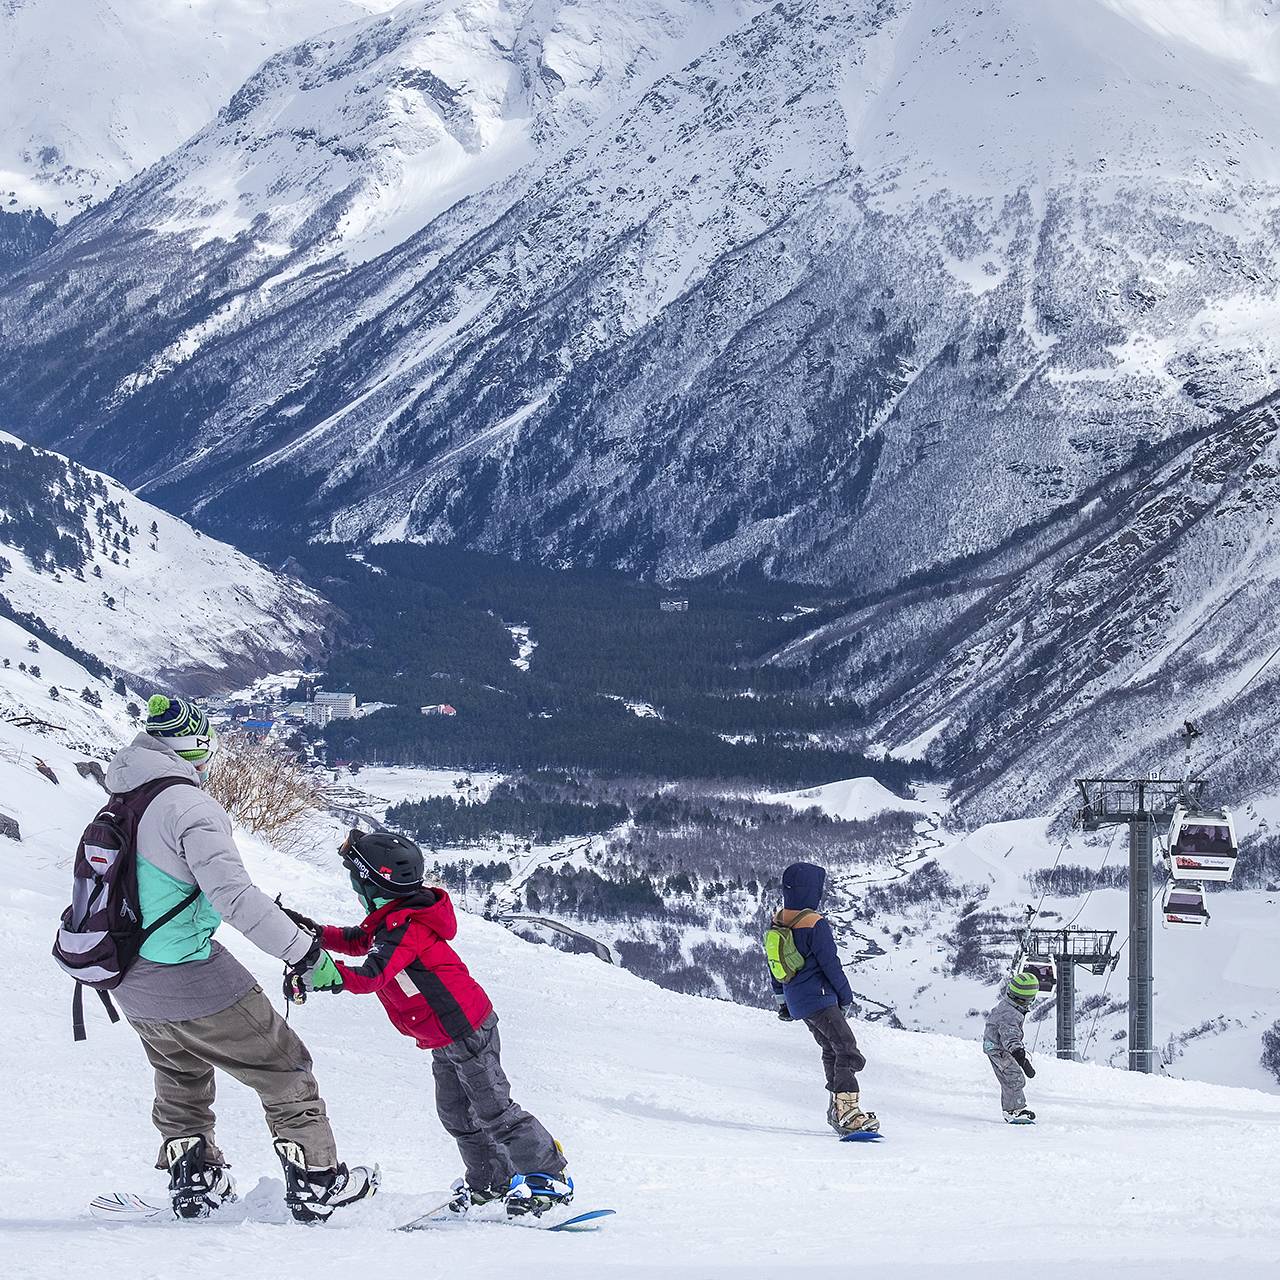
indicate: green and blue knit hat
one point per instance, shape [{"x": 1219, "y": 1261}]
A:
[
  {"x": 1024, "y": 986},
  {"x": 183, "y": 727}
]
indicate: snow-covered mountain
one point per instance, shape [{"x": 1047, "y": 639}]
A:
[
  {"x": 96, "y": 90},
  {"x": 675, "y": 1111},
  {"x": 963, "y": 304},
  {"x": 134, "y": 586}
]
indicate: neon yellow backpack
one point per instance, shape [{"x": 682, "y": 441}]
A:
[{"x": 780, "y": 949}]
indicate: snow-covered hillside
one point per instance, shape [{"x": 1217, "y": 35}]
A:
[
  {"x": 137, "y": 587},
  {"x": 963, "y": 304},
  {"x": 679, "y": 1113},
  {"x": 96, "y": 90}
]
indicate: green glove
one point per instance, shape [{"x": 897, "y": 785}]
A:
[{"x": 323, "y": 975}]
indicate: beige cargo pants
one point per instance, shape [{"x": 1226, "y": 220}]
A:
[{"x": 252, "y": 1043}]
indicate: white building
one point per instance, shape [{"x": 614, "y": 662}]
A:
[
  {"x": 342, "y": 705},
  {"x": 317, "y": 713}
]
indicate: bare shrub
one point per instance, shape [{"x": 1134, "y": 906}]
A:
[{"x": 265, "y": 789}]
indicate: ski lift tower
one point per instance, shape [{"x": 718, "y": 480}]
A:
[
  {"x": 1092, "y": 948},
  {"x": 1141, "y": 804}
]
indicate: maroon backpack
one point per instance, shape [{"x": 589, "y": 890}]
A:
[{"x": 101, "y": 931}]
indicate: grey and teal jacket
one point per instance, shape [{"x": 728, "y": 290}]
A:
[
  {"x": 1003, "y": 1032},
  {"x": 185, "y": 841}
]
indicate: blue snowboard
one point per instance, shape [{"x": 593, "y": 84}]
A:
[
  {"x": 863, "y": 1135},
  {"x": 588, "y": 1221},
  {"x": 440, "y": 1217}
]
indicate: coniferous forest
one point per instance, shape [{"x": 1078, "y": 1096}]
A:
[{"x": 616, "y": 684}]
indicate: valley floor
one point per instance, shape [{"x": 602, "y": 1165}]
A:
[{"x": 701, "y": 1122}]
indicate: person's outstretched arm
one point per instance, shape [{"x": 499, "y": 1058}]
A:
[
  {"x": 203, "y": 834},
  {"x": 342, "y": 941},
  {"x": 391, "y": 951}
]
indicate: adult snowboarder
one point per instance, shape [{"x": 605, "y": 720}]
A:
[
  {"x": 1002, "y": 1043},
  {"x": 809, "y": 980},
  {"x": 429, "y": 995},
  {"x": 194, "y": 1005}
]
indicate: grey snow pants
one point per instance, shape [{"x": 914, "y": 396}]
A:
[
  {"x": 841, "y": 1059},
  {"x": 252, "y": 1043},
  {"x": 1012, "y": 1095},
  {"x": 497, "y": 1138}
]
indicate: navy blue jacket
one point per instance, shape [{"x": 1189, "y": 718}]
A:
[{"x": 821, "y": 983}]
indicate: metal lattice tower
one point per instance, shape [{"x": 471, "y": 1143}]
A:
[
  {"x": 1141, "y": 804},
  {"x": 1092, "y": 948}
]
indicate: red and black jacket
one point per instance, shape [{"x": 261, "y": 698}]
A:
[{"x": 423, "y": 985}]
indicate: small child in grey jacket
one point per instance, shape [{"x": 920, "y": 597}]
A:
[{"x": 1002, "y": 1043}]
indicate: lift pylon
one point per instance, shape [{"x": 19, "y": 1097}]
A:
[
  {"x": 1067, "y": 948},
  {"x": 1141, "y": 804}
]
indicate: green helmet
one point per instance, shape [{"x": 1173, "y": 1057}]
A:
[{"x": 1024, "y": 986}]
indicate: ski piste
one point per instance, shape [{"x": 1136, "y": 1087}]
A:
[{"x": 442, "y": 1218}]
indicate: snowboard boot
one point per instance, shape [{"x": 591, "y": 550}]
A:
[
  {"x": 850, "y": 1117},
  {"x": 466, "y": 1197},
  {"x": 535, "y": 1193},
  {"x": 1020, "y": 1116},
  {"x": 196, "y": 1186},
  {"x": 313, "y": 1194}
]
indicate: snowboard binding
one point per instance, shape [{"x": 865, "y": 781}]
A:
[
  {"x": 313, "y": 1194},
  {"x": 535, "y": 1193},
  {"x": 196, "y": 1187}
]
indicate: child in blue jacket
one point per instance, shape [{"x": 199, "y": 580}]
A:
[{"x": 820, "y": 995}]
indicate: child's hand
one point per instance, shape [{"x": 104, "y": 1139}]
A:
[{"x": 324, "y": 976}]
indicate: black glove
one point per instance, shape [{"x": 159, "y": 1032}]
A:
[
  {"x": 1020, "y": 1057},
  {"x": 303, "y": 922},
  {"x": 783, "y": 1012}
]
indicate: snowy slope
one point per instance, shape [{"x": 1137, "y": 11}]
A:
[
  {"x": 1057, "y": 213},
  {"x": 158, "y": 605},
  {"x": 361, "y": 136},
  {"x": 675, "y": 1111},
  {"x": 96, "y": 90}
]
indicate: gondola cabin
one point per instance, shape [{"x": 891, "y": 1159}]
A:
[
  {"x": 1183, "y": 905},
  {"x": 1202, "y": 845},
  {"x": 1046, "y": 972}
]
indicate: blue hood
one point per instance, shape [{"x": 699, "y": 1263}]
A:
[{"x": 802, "y": 885}]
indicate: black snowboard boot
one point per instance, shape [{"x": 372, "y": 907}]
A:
[
  {"x": 196, "y": 1186},
  {"x": 313, "y": 1194}
]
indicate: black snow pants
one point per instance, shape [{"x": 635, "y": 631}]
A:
[
  {"x": 840, "y": 1057},
  {"x": 497, "y": 1138}
]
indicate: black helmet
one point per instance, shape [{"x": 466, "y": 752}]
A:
[{"x": 389, "y": 864}]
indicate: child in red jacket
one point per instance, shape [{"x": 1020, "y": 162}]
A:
[{"x": 429, "y": 995}]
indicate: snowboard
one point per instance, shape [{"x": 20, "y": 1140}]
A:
[
  {"x": 1008, "y": 1121},
  {"x": 124, "y": 1206},
  {"x": 441, "y": 1219},
  {"x": 863, "y": 1135}
]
